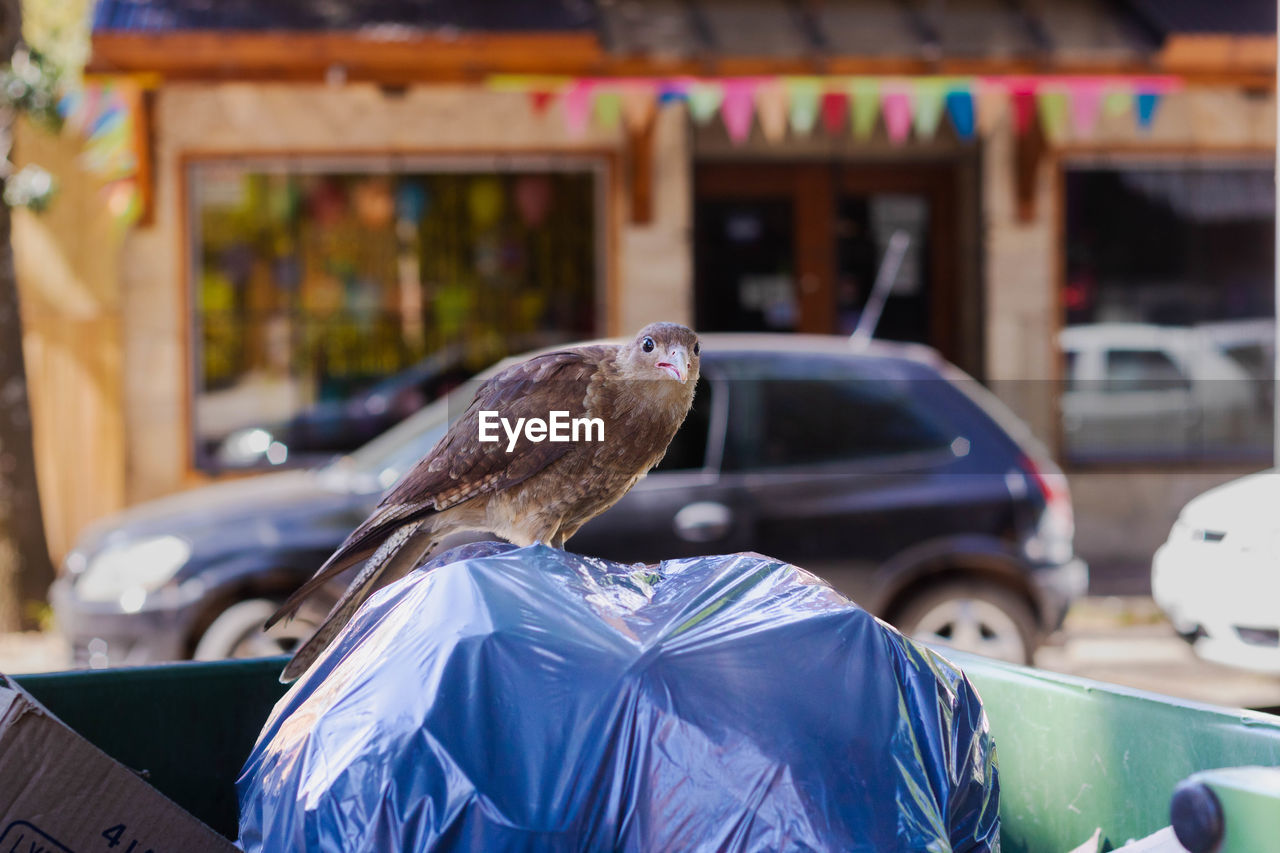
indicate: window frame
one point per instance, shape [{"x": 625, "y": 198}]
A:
[
  {"x": 1135, "y": 155},
  {"x": 897, "y": 462}
]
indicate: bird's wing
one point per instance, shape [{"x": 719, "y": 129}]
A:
[{"x": 461, "y": 467}]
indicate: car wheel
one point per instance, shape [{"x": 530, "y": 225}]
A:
[
  {"x": 973, "y": 617},
  {"x": 237, "y": 632}
]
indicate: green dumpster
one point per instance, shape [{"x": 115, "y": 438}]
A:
[{"x": 1075, "y": 755}]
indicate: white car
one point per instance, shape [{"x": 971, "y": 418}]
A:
[
  {"x": 1217, "y": 578},
  {"x": 1135, "y": 389}
]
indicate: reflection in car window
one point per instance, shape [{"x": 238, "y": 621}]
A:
[
  {"x": 1142, "y": 370},
  {"x": 688, "y": 450},
  {"x": 828, "y": 416}
]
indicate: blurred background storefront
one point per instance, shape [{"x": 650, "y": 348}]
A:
[{"x": 308, "y": 219}]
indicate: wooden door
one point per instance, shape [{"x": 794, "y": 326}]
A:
[{"x": 795, "y": 247}]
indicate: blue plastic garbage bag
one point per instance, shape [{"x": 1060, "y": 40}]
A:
[{"x": 532, "y": 699}]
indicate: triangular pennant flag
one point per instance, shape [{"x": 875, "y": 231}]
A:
[
  {"x": 866, "y": 106},
  {"x": 1086, "y": 102},
  {"x": 959, "y": 103},
  {"x": 638, "y": 106},
  {"x": 1024, "y": 109},
  {"x": 803, "y": 93},
  {"x": 771, "y": 108},
  {"x": 704, "y": 101},
  {"x": 835, "y": 112},
  {"x": 540, "y": 99},
  {"x": 1144, "y": 104},
  {"x": 607, "y": 110},
  {"x": 928, "y": 106},
  {"x": 737, "y": 109},
  {"x": 992, "y": 106},
  {"x": 1116, "y": 103},
  {"x": 895, "y": 102},
  {"x": 1052, "y": 106},
  {"x": 576, "y": 106}
]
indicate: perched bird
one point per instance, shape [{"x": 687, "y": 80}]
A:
[{"x": 523, "y": 487}]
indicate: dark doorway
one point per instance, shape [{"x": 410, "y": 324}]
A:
[{"x": 796, "y": 247}]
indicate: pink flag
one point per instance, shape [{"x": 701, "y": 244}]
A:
[
  {"x": 738, "y": 108},
  {"x": 895, "y": 103},
  {"x": 577, "y": 108},
  {"x": 1086, "y": 105}
]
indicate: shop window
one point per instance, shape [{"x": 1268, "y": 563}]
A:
[
  {"x": 329, "y": 305},
  {"x": 1169, "y": 341}
]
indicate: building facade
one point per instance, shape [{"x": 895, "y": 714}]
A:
[{"x": 319, "y": 207}]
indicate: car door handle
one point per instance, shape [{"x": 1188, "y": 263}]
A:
[{"x": 703, "y": 521}]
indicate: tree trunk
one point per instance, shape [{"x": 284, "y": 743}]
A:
[{"x": 25, "y": 568}]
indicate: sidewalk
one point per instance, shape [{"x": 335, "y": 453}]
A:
[{"x": 1125, "y": 640}]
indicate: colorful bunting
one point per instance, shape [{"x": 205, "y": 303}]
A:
[
  {"x": 638, "y": 107},
  {"x": 895, "y": 103},
  {"x": 835, "y": 112},
  {"x": 704, "y": 101},
  {"x": 1023, "y": 100},
  {"x": 866, "y": 106},
  {"x": 928, "y": 106},
  {"x": 804, "y": 93},
  {"x": 1063, "y": 105},
  {"x": 959, "y": 105},
  {"x": 1116, "y": 103},
  {"x": 771, "y": 109},
  {"x": 737, "y": 108},
  {"x": 1144, "y": 104},
  {"x": 577, "y": 108},
  {"x": 1052, "y": 107},
  {"x": 540, "y": 99},
  {"x": 607, "y": 109},
  {"x": 1086, "y": 103}
]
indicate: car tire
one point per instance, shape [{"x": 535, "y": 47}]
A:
[
  {"x": 237, "y": 632},
  {"x": 972, "y": 616}
]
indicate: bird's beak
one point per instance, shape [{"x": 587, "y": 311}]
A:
[{"x": 677, "y": 364}]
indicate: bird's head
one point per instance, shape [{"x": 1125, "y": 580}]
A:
[{"x": 663, "y": 351}]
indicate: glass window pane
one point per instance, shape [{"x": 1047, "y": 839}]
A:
[
  {"x": 824, "y": 414},
  {"x": 331, "y": 305},
  {"x": 1170, "y": 315}
]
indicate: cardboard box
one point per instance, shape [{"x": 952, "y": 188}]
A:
[{"x": 61, "y": 794}]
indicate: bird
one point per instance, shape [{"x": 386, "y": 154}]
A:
[{"x": 521, "y": 488}]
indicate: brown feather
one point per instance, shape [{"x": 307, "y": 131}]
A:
[{"x": 540, "y": 490}]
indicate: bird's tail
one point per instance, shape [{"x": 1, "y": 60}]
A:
[{"x": 395, "y": 556}]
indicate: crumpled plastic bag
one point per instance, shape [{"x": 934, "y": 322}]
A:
[{"x": 506, "y": 698}]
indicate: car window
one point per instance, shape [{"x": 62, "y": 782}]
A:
[
  {"x": 1071, "y": 369},
  {"x": 1142, "y": 370},
  {"x": 825, "y": 411},
  {"x": 688, "y": 450}
]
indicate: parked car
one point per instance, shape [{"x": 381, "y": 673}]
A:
[
  {"x": 1135, "y": 389},
  {"x": 886, "y": 471},
  {"x": 332, "y": 427},
  {"x": 1217, "y": 577}
]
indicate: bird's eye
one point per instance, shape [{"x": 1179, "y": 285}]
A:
[
  {"x": 647, "y": 345},
  {"x": 696, "y": 349}
]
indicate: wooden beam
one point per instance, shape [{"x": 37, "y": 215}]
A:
[
  {"x": 306, "y": 56},
  {"x": 640, "y": 170}
]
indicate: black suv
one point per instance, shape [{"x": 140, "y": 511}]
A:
[{"x": 884, "y": 470}]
